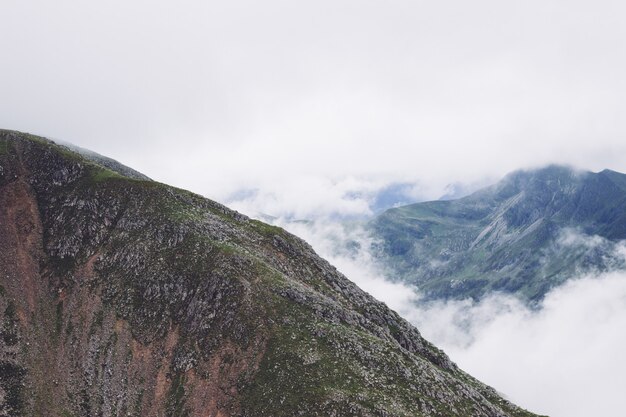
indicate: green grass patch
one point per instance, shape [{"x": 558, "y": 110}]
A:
[
  {"x": 98, "y": 174},
  {"x": 312, "y": 370},
  {"x": 175, "y": 406},
  {"x": 4, "y": 146},
  {"x": 266, "y": 229}
]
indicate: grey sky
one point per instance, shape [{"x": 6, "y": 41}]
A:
[
  {"x": 304, "y": 105},
  {"x": 219, "y": 96}
]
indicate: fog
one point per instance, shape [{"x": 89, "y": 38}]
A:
[
  {"x": 310, "y": 110},
  {"x": 303, "y": 100},
  {"x": 563, "y": 358}
]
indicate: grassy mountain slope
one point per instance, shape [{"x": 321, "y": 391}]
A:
[
  {"x": 524, "y": 235},
  {"x": 124, "y": 296}
]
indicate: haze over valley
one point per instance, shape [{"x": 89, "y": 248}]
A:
[{"x": 462, "y": 162}]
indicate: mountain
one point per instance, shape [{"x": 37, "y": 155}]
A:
[
  {"x": 524, "y": 235},
  {"x": 106, "y": 162},
  {"x": 121, "y": 296}
]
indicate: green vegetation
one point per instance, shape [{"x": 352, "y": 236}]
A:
[
  {"x": 181, "y": 211},
  {"x": 327, "y": 367},
  {"x": 98, "y": 174},
  {"x": 59, "y": 149},
  {"x": 175, "y": 405},
  {"x": 265, "y": 229},
  {"x": 4, "y": 146},
  {"x": 160, "y": 279},
  {"x": 507, "y": 237}
]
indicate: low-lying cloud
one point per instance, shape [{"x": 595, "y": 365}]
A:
[
  {"x": 563, "y": 358},
  {"x": 566, "y": 359},
  {"x": 218, "y": 96},
  {"x": 315, "y": 196}
]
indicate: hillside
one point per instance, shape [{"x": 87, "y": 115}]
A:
[
  {"x": 124, "y": 296},
  {"x": 525, "y": 235}
]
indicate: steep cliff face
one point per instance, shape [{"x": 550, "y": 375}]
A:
[{"x": 122, "y": 296}]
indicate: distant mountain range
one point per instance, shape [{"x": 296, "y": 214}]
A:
[
  {"x": 122, "y": 296},
  {"x": 526, "y": 234}
]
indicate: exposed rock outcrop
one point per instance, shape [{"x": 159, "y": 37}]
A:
[{"x": 122, "y": 296}]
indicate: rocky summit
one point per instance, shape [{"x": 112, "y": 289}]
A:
[
  {"x": 525, "y": 235},
  {"x": 122, "y": 296}
]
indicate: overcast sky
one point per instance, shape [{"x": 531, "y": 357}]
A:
[
  {"x": 287, "y": 96},
  {"x": 306, "y": 109}
]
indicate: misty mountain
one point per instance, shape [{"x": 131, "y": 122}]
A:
[
  {"x": 524, "y": 235},
  {"x": 106, "y": 162},
  {"x": 124, "y": 296}
]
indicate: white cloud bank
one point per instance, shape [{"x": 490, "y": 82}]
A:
[
  {"x": 223, "y": 96},
  {"x": 320, "y": 104},
  {"x": 565, "y": 359}
]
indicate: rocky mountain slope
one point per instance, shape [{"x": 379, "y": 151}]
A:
[
  {"x": 121, "y": 296},
  {"x": 524, "y": 235}
]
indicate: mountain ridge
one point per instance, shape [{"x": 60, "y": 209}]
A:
[
  {"x": 506, "y": 237},
  {"x": 124, "y": 296}
]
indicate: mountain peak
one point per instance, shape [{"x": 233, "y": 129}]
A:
[
  {"x": 123, "y": 296},
  {"x": 507, "y": 237}
]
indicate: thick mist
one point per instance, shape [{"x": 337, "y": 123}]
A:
[
  {"x": 302, "y": 99},
  {"x": 307, "y": 110}
]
